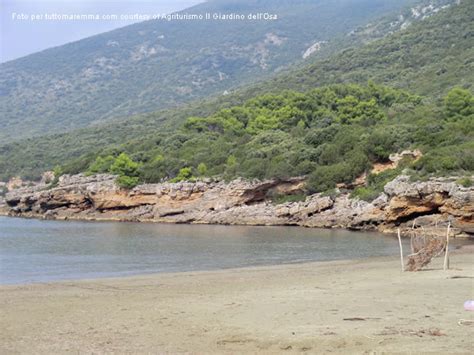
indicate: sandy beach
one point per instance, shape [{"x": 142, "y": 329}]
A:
[{"x": 360, "y": 306}]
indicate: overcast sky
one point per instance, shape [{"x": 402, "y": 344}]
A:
[{"x": 20, "y": 37}]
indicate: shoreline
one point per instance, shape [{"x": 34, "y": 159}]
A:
[
  {"x": 41, "y": 217},
  {"x": 342, "y": 306},
  {"x": 429, "y": 204},
  {"x": 251, "y": 268},
  {"x": 386, "y": 232},
  {"x": 466, "y": 249},
  {"x": 189, "y": 273}
]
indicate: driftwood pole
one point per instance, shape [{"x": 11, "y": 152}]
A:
[
  {"x": 446, "y": 254},
  {"x": 401, "y": 250},
  {"x": 413, "y": 235}
]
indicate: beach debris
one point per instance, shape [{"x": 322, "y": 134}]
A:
[
  {"x": 469, "y": 305},
  {"x": 360, "y": 318},
  {"x": 388, "y": 331},
  {"x": 466, "y": 322},
  {"x": 423, "y": 256},
  {"x": 234, "y": 340},
  {"x": 460, "y": 277},
  {"x": 423, "y": 332},
  {"x": 435, "y": 332},
  {"x": 425, "y": 246}
]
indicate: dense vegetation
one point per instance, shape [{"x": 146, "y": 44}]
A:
[
  {"x": 429, "y": 58},
  {"x": 158, "y": 64},
  {"x": 332, "y": 134}
]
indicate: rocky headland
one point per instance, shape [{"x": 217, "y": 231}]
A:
[{"x": 80, "y": 197}]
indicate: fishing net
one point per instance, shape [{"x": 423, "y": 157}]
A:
[{"x": 425, "y": 246}]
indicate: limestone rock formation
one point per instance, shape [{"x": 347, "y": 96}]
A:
[{"x": 245, "y": 202}]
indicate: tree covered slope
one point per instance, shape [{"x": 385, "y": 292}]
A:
[
  {"x": 332, "y": 134},
  {"x": 428, "y": 58},
  {"x": 159, "y": 64}
]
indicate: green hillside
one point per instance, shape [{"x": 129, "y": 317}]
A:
[
  {"x": 159, "y": 64},
  {"x": 333, "y": 134},
  {"x": 427, "y": 58}
]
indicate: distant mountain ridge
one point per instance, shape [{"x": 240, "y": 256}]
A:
[
  {"x": 428, "y": 57},
  {"x": 160, "y": 64}
]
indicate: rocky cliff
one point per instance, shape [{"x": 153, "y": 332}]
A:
[{"x": 247, "y": 202}]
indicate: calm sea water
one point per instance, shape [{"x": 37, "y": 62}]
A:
[{"x": 41, "y": 251}]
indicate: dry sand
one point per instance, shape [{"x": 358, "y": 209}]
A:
[{"x": 339, "y": 307}]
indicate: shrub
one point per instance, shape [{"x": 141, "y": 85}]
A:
[
  {"x": 155, "y": 170},
  {"x": 279, "y": 168},
  {"x": 459, "y": 102},
  {"x": 318, "y": 136},
  {"x": 326, "y": 177},
  {"x": 127, "y": 182},
  {"x": 465, "y": 182},
  {"x": 365, "y": 193},
  {"x": 329, "y": 154},
  {"x": 380, "y": 145},
  {"x": 125, "y": 166},
  {"x": 101, "y": 165},
  {"x": 375, "y": 184},
  {"x": 57, "y": 171},
  {"x": 185, "y": 174},
  {"x": 126, "y": 169},
  {"x": 202, "y": 169}
]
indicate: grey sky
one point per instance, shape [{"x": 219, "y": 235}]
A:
[{"x": 20, "y": 37}]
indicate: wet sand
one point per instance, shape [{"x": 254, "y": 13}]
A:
[{"x": 339, "y": 307}]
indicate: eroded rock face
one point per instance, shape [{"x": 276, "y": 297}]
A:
[
  {"x": 244, "y": 202},
  {"x": 408, "y": 200}
]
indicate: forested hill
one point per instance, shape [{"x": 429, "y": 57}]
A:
[
  {"x": 158, "y": 63},
  {"x": 429, "y": 58},
  {"x": 332, "y": 134}
]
